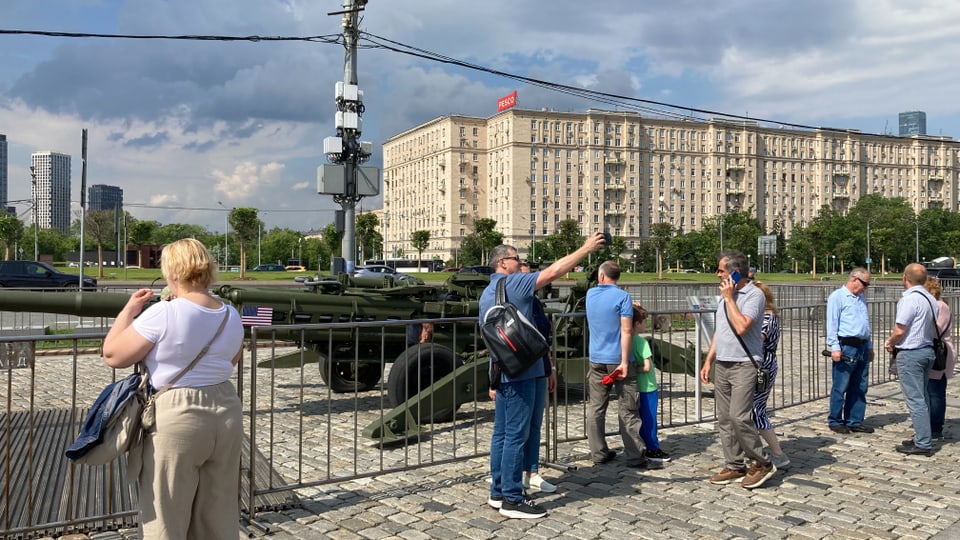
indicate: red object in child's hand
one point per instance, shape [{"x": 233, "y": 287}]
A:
[{"x": 610, "y": 378}]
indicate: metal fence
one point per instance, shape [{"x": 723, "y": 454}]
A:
[{"x": 302, "y": 435}]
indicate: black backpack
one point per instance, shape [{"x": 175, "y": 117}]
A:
[{"x": 513, "y": 341}]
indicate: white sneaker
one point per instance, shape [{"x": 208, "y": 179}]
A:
[{"x": 537, "y": 482}]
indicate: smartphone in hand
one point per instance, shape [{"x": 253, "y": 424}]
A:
[{"x": 736, "y": 277}]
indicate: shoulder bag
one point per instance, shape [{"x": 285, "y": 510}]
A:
[
  {"x": 115, "y": 422},
  {"x": 939, "y": 345},
  {"x": 513, "y": 341},
  {"x": 763, "y": 377}
]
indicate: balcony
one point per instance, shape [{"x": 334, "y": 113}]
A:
[
  {"x": 736, "y": 166},
  {"x": 616, "y": 210},
  {"x": 844, "y": 194},
  {"x": 615, "y": 186},
  {"x": 616, "y": 161}
]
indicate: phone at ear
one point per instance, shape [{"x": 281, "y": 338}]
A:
[{"x": 736, "y": 277}]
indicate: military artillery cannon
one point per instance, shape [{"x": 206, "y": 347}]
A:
[{"x": 426, "y": 383}]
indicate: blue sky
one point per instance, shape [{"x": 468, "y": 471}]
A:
[{"x": 181, "y": 126}]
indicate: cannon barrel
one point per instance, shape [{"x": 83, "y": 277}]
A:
[{"x": 82, "y": 304}]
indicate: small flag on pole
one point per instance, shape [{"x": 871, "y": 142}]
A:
[{"x": 256, "y": 316}]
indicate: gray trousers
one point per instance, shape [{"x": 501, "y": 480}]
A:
[
  {"x": 628, "y": 413},
  {"x": 733, "y": 391}
]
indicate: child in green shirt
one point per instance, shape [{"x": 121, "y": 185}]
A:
[{"x": 647, "y": 388}]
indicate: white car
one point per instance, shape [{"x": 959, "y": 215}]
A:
[{"x": 379, "y": 270}]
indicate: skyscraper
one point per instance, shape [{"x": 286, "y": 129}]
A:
[
  {"x": 51, "y": 190},
  {"x": 104, "y": 197},
  {"x": 3, "y": 171},
  {"x": 913, "y": 123}
]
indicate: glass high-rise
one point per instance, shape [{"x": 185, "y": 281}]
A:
[
  {"x": 913, "y": 123},
  {"x": 104, "y": 197}
]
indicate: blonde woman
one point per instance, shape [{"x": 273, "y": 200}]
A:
[{"x": 191, "y": 455}]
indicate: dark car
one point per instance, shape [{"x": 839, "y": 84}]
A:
[
  {"x": 479, "y": 269},
  {"x": 38, "y": 275},
  {"x": 949, "y": 277},
  {"x": 269, "y": 268}
]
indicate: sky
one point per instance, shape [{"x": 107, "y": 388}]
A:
[{"x": 189, "y": 129}]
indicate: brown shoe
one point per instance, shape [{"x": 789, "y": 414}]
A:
[
  {"x": 758, "y": 474},
  {"x": 727, "y": 475}
]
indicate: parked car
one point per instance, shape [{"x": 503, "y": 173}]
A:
[
  {"x": 295, "y": 268},
  {"x": 379, "y": 270},
  {"x": 38, "y": 275},
  {"x": 268, "y": 268},
  {"x": 480, "y": 269}
]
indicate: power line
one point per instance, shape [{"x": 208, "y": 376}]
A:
[{"x": 378, "y": 42}]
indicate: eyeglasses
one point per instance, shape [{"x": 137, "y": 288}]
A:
[
  {"x": 514, "y": 258},
  {"x": 862, "y": 282}
]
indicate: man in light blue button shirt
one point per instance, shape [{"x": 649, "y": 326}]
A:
[
  {"x": 851, "y": 348},
  {"x": 912, "y": 338}
]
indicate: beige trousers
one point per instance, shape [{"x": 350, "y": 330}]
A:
[{"x": 189, "y": 485}]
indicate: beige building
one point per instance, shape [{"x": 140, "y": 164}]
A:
[{"x": 622, "y": 172}]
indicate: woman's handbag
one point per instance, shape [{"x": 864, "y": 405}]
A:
[
  {"x": 117, "y": 419},
  {"x": 940, "y": 351}
]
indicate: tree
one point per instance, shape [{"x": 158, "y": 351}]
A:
[
  {"x": 100, "y": 226},
  {"x": 476, "y": 245},
  {"x": 332, "y": 239},
  {"x": 420, "y": 240},
  {"x": 11, "y": 231},
  {"x": 140, "y": 234},
  {"x": 371, "y": 241},
  {"x": 246, "y": 224}
]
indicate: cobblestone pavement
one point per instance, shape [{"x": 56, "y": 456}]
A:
[{"x": 839, "y": 486}]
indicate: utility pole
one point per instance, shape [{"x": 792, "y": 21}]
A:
[
  {"x": 346, "y": 180},
  {"x": 83, "y": 201}
]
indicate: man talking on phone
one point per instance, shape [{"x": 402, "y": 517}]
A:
[{"x": 736, "y": 340}]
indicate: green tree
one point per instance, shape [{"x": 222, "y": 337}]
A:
[
  {"x": 332, "y": 239},
  {"x": 661, "y": 237},
  {"x": 476, "y": 246},
  {"x": 371, "y": 241},
  {"x": 99, "y": 224},
  {"x": 11, "y": 231},
  {"x": 140, "y": 234},
  {"x": 246, "y": 224},
  {"x": 420, "y": 240}
]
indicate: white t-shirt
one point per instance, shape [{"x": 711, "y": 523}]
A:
[{"x": 180, "y": 329}]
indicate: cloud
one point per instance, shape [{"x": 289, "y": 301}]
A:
[{"x": 246, "y": 179}]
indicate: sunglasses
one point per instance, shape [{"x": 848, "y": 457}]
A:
[
  {"x": 514, "y": 258},
  {"x": 862, "y": 282}
]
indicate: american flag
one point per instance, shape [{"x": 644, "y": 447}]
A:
[{"x": 256, "y": 316}]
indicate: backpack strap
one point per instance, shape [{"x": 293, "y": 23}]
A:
[{"x": 501, "y": 298}]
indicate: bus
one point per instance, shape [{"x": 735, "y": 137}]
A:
[{"x": 410, "y": 265}]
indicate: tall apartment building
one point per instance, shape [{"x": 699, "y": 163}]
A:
[
  {"x": 51, "y": 190},
  {"x": 913, "y": 123},
  {"x": 103, "y": 197},
  {"x": 622, "y": 172}
]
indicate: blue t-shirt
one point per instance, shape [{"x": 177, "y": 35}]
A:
[
  {"x": 519, "y": 289},
  {"x": 606, "y": 305}
]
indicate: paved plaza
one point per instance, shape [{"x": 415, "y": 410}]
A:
[{"x": 839, "y": 486}]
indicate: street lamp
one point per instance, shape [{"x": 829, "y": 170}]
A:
[
  {"x": 226, "y": 247},
  {"x": 36, "y": 238}
]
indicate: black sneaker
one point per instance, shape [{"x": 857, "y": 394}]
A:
[
  {"x": 657, "y": 455},
  {"x": 839, "y": 428},
  {"x": 525, "y": 509},
  {"x": 861, "y": 429},
  {"x": 495, "y": 502},
  {"x": 914, "y": 451}
]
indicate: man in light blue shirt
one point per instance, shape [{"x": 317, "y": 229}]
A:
[
  {"x": 851, "y": 349},
  {"x": 912, "y": 339},
  {"x": 610, "y": 320}
]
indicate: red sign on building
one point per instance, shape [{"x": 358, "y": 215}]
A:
[{"x": 507, "y": 101}]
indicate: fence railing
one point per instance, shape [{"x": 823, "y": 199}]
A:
[{"x": 302, "y": 434}]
